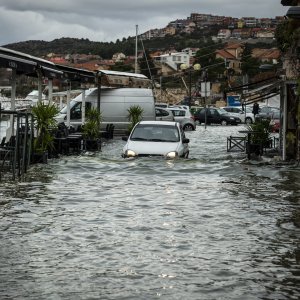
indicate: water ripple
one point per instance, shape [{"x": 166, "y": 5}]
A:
[{"x": 213, "y": 226}]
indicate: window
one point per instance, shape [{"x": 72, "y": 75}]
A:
[
  {"x": 178, "y": 113},
  {"x": 76, "y": 110},
  {"x": 161, "y": 112}
]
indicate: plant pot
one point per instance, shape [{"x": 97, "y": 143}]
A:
[
  {"x": 92, "y": 144},
  {"x": 254, "y": 148},
  {"x": 39, "y": 157}
]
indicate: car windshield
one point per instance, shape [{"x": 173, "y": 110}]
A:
[
  {"x": 155, "y": 133},
  {"x": 72, "y": 104}
]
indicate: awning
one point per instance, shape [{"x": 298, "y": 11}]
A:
[
  {"x": 74, "y": 74},
  {"x": 27, "y": 64},
  {"x": 262, "y": 93},
  {"x": 21, "y": 65},
  {"x": 124, "y": 79},
  {"x": 51, "y": 72}
]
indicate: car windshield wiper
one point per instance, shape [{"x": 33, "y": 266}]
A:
[
  {"x": 156, "y": 140},
  {"x": 138, "y": 139}
]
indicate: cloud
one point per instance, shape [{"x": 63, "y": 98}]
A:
[{"x": 102, "y": 20}]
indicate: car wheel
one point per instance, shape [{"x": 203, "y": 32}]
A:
[
  {"x": 248, "y": 121},
  {"x": 223, "y": 122},
  {"x": 188, "y": 127}
]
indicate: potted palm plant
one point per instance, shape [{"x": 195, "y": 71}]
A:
[
  {"x": 45, "y": 124},
  {"x": 135, "y": 115},
  {"x": 91, "y": 130},
  {"x": 260, "y": 136}
]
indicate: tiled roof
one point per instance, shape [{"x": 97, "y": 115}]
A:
[
  {"x": 233, "y": 46},
  {"x": 266, "y": 53},
  {"x": 225, "y": 54}
]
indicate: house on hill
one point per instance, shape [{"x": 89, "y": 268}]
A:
[
  {"x": 232, "y": 54},
  {"x": 118, "y": 57},
  {"x": 170, "y": 63},
  {"x": 224, "y": 34},
  {"x": 270, "y": 56},
  {"x": 268, "y": 33}
]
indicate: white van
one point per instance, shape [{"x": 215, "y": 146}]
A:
[{"x": 114, "y": 105}]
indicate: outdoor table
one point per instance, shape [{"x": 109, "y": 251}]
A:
[{"x": 74, "y": 141}]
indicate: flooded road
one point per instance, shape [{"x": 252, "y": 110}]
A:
[{"x": 100, "y": 227}]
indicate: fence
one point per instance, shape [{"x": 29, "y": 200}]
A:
[{"x": 16, "y": 136}]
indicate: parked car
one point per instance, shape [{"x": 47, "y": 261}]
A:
[
  {"x": 216, "y": 116},
  {"x": 163, "y": 114},
  {"x": 184, "y": 117},
  {"x": 161, "y": 104},
  {"x": 156, "y": 138},
  {"x": 275, "y": 122},
  {"x": 195, "y": 108},
  {"x": 267, "y": 112},
  {"x": 245, "y": 114}
]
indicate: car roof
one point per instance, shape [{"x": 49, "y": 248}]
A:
[
  {"x": 179, "y": 109},
  {"x": 158, "y": 123}
]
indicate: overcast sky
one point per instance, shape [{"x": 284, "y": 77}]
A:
[{"x": 109, "y": 20}]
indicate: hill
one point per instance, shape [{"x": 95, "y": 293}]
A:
[
  {"x": 198, "y": 39},
  {"x": 67, "y": 45}
]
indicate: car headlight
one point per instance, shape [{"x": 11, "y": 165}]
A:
[
  {"x": 172, "y": 154},
  {"x": 231, "y": 118},
  {"x": 130, "y": 153}
]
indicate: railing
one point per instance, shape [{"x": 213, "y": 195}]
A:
[{"x": 16, "y": 144}]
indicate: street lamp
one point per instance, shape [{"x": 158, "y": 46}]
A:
[{"x": 195, "y": 67}]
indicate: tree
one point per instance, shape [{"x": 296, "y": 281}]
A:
[
  {"x": 206, "y": 57},
  {"x": 120, "y": 66},
  {"x": 249, "y": 65}
]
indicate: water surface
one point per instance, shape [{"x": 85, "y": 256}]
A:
[{"x": 213, "y": 226}]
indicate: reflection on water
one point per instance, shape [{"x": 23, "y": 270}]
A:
[{"x": 101, "y": 227}]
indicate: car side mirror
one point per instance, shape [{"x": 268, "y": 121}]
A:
[
  {"x": 125, "y": 138},
  {"x": 185, "y": 141}
]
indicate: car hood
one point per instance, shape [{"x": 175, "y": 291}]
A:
[{"x": 151, "y": 148}]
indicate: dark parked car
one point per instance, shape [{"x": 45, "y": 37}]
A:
[
  {"x": 216, "y": 116},
  {"x": 267, "y": 112}
]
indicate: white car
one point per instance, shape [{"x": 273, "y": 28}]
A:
[
  {"x": 156, "y": 138},
  {"x": 246, "y": 117},
  {"x": 184, "y": 117},
  {"x": 163, "y": 114}
]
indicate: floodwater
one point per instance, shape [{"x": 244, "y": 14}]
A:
[{"x": 213, "y": 226}]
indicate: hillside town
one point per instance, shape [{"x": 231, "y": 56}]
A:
[
  {"x": 233, "y": 31},
  {"x": 232, "y": 34}
]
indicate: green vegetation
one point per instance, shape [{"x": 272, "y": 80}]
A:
[
  {"x": 249, "y": 65},
  {"x": 44, "y": 122},
  {"x": 261, "y": 132},
  {"x": 135, "y": 114},
  {"x": 91, "y": 129},
  {"x": 288, "y": 35}
]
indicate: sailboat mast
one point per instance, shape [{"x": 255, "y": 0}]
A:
[{"x": 136, "y": 43}]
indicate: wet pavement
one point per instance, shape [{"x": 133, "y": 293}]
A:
[{"x": 214, "y": 226}]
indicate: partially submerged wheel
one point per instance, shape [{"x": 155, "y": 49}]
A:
[
  {"x": 248, "y": 121},
  {"x": 188, "y": 127}
]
